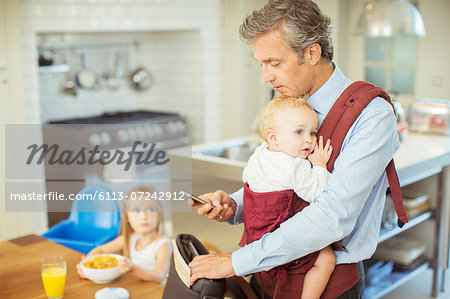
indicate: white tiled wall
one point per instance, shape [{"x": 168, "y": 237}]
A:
[
  {"x": 178, "y": 41},
  {"x": 99, "y": 51}
]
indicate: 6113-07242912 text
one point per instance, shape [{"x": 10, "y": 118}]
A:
[{"x": 57, "y": 196}]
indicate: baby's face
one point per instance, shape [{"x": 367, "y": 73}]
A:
[{"x": 295, "y": 131}]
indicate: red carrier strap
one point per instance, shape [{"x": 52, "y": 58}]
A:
[{"x": 339, "y": 120}]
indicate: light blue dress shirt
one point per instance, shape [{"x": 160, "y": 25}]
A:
[{"x": 350, "y": 206}]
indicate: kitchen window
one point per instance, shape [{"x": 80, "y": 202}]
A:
[{"x": 390, "y": 62}]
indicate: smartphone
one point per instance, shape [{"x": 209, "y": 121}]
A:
[{"x": 197, "y": 199}]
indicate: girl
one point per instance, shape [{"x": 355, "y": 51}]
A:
[{"x": 146, "y": 252}]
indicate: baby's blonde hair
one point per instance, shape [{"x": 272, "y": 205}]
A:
[
  {"x": 141, "y": 191},
  {"x": 267, "y": 121}
]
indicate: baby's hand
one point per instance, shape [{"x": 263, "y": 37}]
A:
[
  {"x": 321, "y": 153},
  {"x": 125, "y": 265}
]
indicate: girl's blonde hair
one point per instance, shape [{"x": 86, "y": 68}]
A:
[
  {"x": 267, "y": 121},
  {"x": 141, "y": 191}
]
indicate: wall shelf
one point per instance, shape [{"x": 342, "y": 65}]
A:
[
  {"x": 58, "y": 46},
  {"x": 389, "y": 233},
  {"x": 53, "y": 69},
  {"x": 394, "y": 280}
]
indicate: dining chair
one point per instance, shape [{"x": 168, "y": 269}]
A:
[{"x": 93, "y": 221}]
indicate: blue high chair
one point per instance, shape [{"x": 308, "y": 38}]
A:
[{"x": 85, "y": 228}]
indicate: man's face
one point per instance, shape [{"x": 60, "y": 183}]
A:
[
  {"x": 280, "y": 65},
  {"x": 296, "y": 132}
]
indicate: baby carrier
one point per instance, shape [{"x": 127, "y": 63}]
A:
[{"x": 339, "y": 120}]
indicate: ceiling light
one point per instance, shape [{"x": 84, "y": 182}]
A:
[{"x": 382, "y": 18}]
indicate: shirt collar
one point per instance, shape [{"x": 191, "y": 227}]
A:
[{"x": 327, "y": 94}]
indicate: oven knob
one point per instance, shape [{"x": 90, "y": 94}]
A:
[
  {"x": 94, "y": 139},
  {"x": 149, "y": 130},
  {"x": 181, "y": 125},
  {"x": 172, "y": 127},
  {"x": 158, "y": 129},
  {"x": 106, "y": 138},
  {"x": 122, "y": 135},
  {"x": 132, "y": 134},
  {"x": 141, "y": 132}
]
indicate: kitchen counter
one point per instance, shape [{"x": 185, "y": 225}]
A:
[{"x": 420, "y": 156}]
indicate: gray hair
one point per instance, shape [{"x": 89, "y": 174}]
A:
[{"x": 299, "y": 21}]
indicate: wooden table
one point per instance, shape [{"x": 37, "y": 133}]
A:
[{"x": 20, "y": 272}]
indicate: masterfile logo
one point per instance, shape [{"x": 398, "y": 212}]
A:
[
  {"x": 140, "y": 153},
  {"x": 46, "y": 166}
]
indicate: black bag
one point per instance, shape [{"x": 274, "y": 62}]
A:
[{"x": 186, "y": 247}]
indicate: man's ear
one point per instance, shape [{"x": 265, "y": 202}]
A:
[
  {"x": 313, "y": 53},
  {"x": 271, "y": 137}
]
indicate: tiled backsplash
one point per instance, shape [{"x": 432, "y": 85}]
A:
[{"x": 177, "y": 40}]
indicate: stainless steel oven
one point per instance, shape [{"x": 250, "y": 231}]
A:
[{"x": 151, "y": 131}]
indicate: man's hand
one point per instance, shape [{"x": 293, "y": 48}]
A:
[
  {"x": 321, "y": 153},
  {"x": 212, "y": 266},
  {"x": 225, "y": 206}
]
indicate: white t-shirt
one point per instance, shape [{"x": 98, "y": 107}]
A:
[
  {"x": 268, "y": 171},
  {"x": 146, "y": 257}
]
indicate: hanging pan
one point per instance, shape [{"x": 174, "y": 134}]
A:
[
  {"x": 85, "y": 78},
  {"x": 141, "y": 79}
]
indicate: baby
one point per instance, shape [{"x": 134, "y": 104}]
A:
[{"x": 289, "y": 161}]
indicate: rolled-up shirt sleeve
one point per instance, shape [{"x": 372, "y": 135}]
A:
[
  {"x": 238, "y": 197},
  {"x": 367, "y": 149}
]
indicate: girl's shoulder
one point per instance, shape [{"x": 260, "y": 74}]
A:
[{"x": 163, "y": 240}]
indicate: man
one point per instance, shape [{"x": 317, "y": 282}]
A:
[{"x": 292, "y": 41}]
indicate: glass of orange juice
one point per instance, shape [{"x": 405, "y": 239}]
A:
[{"x": 53, "y": 272}]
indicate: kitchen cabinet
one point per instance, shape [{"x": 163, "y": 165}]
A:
[{"x": 423, "y": 161}]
